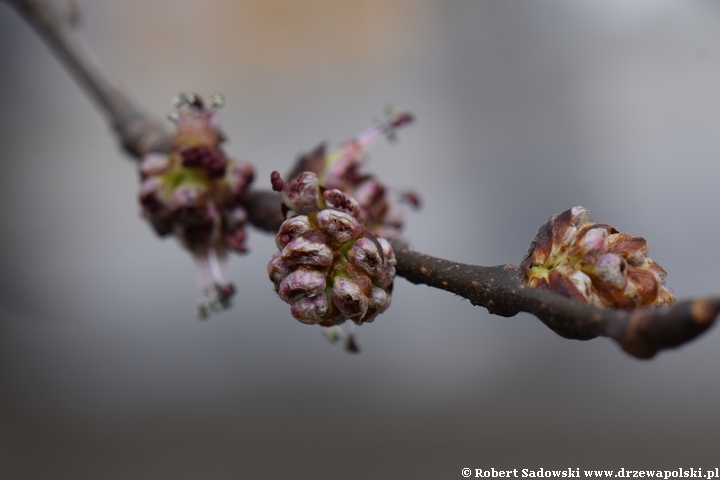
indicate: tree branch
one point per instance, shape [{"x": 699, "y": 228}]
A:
[
  {"x": 264, "y": 210},
  {"x": 641, "y": 332},
  {"x": 138, "y": 132},
  {"x": 500, "y": 289}
]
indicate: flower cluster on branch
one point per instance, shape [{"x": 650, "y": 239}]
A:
[{"x": 581, "y": 279}]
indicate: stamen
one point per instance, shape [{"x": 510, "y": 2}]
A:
[
  {"x": 276, "y": 181},
  {"x": 217, "y": 100},
  {"x": 204, "y": 273},
  {"x": 180, "y": 100},
  {"x": 366, "y": 139},
  {"x": 216, "y": 268},
  {"x": 344, "y": 333}
]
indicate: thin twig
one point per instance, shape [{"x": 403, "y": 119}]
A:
[{"x": 138, "y": 132}]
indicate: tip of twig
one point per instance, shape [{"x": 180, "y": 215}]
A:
[{"x": 649, "y": 331}]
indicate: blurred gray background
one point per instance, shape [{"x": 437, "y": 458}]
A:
[{"x": 524, "y": 109}]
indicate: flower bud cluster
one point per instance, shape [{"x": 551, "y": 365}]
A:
[
  {"x": 197, "y": 194},
  {"x": 594, "y": 263},
  {"x": 329, "y": 267}
]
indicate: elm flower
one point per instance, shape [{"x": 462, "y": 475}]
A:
[
  {"x": 329, "y": 267},
  {"x": 594, "y": 263},
  {"x": 334, "y": 263},
  {"x": 197, "y": 193}
]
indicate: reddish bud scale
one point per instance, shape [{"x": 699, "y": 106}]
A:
[{"x": 594, "y": 263}]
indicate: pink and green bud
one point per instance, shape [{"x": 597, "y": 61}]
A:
[{"x": 594, "y": 263}]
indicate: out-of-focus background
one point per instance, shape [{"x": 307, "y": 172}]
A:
[{"x": 524, "y": 109}]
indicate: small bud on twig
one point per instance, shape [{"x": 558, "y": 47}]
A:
[{"x": 594, "y": 263}]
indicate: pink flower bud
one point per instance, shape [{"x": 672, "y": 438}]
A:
[
  {"x": 333, "y": 230},
  {"x": 338, "y": 200},
  {"x": 310, "y": 309},
  {"x": 380, "y": 300},
  {"x": 594, "y": 241},
  {"x": 370, "y": 195},
  {"x": 349, "y": 299},
  {"x": 189, "y": 204},
  {"x": 277, "y": 269},
  {"x": 292, "y": 228},
  {"x": 365, "y": 255},
  {"x": 302, "y": 192},
  {"x": 611, "y": 269},
  {"x": 305, "y": 251},
  {"x": 154, "y": 164},
  {"x": 387, "y": 251},
  {"x": 341, "y": 226},
  {"x": 239, "y": 177},
  {"x": 303, "y": 282},
  {"x": 151, "y": 196}
]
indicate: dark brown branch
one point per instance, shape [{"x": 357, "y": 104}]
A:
[
  {"x": 138, "y": 132},
  {"x": 264, "y": 210},
  {"x": 641, "y": 332}
]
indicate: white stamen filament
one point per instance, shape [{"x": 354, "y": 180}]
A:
[
  {"x": 216, "y": 268},
  {"x": 204, "y": 272}
]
